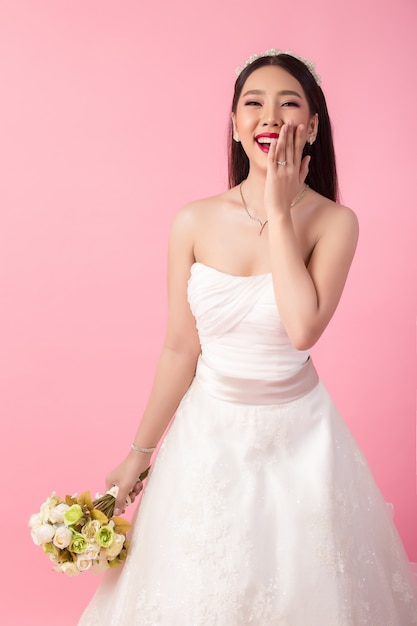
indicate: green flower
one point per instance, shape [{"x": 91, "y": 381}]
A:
[
  {"x": 52, "y": 551},
  {"x": 78, "y": 543},
  {"x": 105, "y": 536},
  {"x": 73, "y": 515}
]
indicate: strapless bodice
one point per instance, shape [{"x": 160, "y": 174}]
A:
[{"x": 241, "y": 333}]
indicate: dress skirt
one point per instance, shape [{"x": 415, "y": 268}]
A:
[{"x": 259, "y": 514}]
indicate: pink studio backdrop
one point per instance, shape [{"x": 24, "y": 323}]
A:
[{"x": 113, "y": 115}]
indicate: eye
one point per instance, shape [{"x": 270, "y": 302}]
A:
[
  {"x": 290, "y": 103},
  {"x": 252, "y": 103}
]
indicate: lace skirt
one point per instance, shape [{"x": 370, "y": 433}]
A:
[{"x": 261, "y": 514}]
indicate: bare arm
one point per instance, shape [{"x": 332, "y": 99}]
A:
[
  {"x": 306, "y": 297},
  {"x": 177, "y": 363}
]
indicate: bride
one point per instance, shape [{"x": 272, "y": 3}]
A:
[{"x": 260, "y": 508}]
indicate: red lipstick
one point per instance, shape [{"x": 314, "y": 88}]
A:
[{"x": 262, "y": 140}]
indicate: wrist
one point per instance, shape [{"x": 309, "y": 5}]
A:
[{"x": 143, "y": 450}]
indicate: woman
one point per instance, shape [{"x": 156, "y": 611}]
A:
[{"x": 260, "y": 508}]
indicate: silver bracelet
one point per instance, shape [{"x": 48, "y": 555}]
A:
[{"x": 139, "y": 449}]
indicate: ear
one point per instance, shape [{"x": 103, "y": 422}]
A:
[
  {"x": 235, "y": 132},
  {"x": 313, "y": 128}
]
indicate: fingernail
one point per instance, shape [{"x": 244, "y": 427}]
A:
[{"x": 116, "y": 511}]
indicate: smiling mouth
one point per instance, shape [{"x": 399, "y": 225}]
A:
[{"x": 264, "y": 141}]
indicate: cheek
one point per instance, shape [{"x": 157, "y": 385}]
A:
[
  {"x": 246, "y": 123},
  {"x": 297, "y": 118},
  {"x": 246, "y": 116}
]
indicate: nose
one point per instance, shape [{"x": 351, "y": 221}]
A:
[{"x": 270, "y": 116}]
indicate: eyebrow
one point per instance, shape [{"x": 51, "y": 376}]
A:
[{"x": 285, "y": 92}]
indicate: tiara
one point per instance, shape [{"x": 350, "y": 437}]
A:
[{"x": 273, "y": 52}]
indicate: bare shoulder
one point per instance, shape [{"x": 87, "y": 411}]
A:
[
  {"x": 332, "y": 218},
  {"x": 200, "y": 209},
  {"x": 198, "y": 217},
  {"x": 344, "y": 217},
  {"x": 198, "y": 213}
]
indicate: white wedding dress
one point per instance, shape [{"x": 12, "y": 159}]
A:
[{"x": 260, "y": 508}]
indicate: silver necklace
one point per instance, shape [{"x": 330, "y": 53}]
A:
[{"x": 256, "y": 219}]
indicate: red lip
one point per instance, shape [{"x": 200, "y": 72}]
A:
[
  {"x": 262, "y": 146},
  {"x": 269, "y": 135}
]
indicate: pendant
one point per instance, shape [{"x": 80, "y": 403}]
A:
[{"x": 262, "y": 226}]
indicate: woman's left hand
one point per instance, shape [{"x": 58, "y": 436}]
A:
[{"x": 286, "y": 169}]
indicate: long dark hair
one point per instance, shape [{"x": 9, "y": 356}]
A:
[{"x": 322, "y": 175}]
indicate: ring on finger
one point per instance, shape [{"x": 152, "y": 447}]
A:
[{"x": 281, "y": 163}]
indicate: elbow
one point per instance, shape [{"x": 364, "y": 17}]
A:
[
  {"x": 303, "y": 345},
  {"x": 304, "y": 339},
  {"x": 304, "y": 333}
]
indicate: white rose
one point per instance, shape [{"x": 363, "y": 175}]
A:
[
  {"x": 46, "y": 507},
  {"x": 82, "y": 563},
  {"x": 35, "y": 520},
  {"x": 56, "y": 515},
  {"x": 92, "y": 551},
  {"x": 62, "y": 537},
  {"x": 68, "y": 568},
  {"x": 90, "y": 529},
  {"x": 116, "y": 547},
  {"x": 43, "y": 534},
  {"x": 44, "y": 512}
]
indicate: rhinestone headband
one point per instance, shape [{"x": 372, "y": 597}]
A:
[{"x": 273, "y": 52}]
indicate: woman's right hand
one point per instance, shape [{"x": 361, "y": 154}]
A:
[{"x": 126, "y": 477}]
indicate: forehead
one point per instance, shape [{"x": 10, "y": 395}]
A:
[{"x": 272, "y": 78}]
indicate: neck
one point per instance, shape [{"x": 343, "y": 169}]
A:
[{"x": 254, "y": 190}]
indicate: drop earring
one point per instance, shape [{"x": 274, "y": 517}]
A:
[{"x": 236, "y": 137}]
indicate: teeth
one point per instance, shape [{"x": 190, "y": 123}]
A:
[{"x": 266, "y": 140}]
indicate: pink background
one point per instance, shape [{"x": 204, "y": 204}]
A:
[{"x": 113, "y": 115}]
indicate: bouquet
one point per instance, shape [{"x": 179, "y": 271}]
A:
[{"x": 79, "y": 534}]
